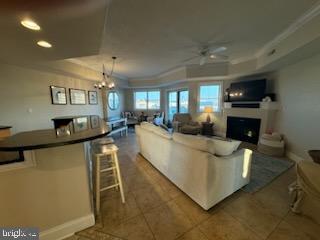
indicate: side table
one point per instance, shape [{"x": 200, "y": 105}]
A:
[
  {"x": 315, "y": 155},
  {"x": 207, "y": 128}
]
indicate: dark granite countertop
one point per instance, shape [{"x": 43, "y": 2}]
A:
[
  {"x": 48, "y": 138},
  {"x": 4, "y": 127}
]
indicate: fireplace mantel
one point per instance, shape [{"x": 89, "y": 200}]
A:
[
  {"x": 262, "y": 105},
  {"x": 266, "y": 112}
]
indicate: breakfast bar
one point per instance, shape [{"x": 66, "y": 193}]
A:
[{"x": 50, "y": 187}]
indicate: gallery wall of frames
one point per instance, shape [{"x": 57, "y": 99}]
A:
[{"x": 59, "y": 96}]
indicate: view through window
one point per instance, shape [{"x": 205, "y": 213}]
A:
[
  {"x": 210, "y": 96},
  {"x": 147, "y": 100},
  {"x": 178, "y": 102}
]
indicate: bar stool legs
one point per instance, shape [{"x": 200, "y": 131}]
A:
[
  {"x": 109, "y": 151},
  {"x": 115, "y": 156},
  {"x": 97, "y": 195}
]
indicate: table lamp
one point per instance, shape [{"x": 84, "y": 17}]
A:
[{"x": 208, "y": 110}]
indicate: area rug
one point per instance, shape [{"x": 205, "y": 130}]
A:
[{"x": 264, "y": 169}]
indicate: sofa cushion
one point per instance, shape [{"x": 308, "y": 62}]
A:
[
  {"x": 147, "y": 126},
  {"x": 155, "y": 129},
  {"x": 225, "y": 147},
  {"x": 196, "y": 142},
  {"x": 161, "y": 132},
  {"x": 182, "y": 117}
]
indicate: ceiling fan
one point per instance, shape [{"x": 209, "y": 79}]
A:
[{"x": 205, "y": 53}]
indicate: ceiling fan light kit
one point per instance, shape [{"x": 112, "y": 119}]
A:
[{"x": 207, "y": 52}]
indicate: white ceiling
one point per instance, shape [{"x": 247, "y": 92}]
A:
[
  {"x": 151, "y": 37},
  {"x": 74, "y": 27}
]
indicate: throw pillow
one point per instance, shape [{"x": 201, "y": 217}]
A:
[
  {"x": 196, "y": 142},
  {"x": 225, "y": 148}
]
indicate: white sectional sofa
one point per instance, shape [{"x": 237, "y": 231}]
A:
[{"x": 193, "y": 165}]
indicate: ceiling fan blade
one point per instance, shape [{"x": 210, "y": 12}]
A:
[
  {"x": 189, "y": 59},
  {"x": 221, "y": 56},
  {"x": 218, "y": 50}
]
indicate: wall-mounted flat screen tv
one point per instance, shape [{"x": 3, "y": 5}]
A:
[{"x": 248, "y": 91}]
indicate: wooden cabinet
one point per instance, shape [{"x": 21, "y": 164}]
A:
[
  {"x": 207, "y": 129},
  {"x": 4, "y": 132}
]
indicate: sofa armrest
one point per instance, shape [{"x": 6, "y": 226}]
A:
[
  {"x": 176, "y": 126},
  {"x": 244, "y": 157}
]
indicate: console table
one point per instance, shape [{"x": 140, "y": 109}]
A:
[{"x": 117, "y": 125}]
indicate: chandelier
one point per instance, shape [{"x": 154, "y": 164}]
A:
[{"x": 107, "y": 78}]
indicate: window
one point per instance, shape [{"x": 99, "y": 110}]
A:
[
  {"x": 140, "y": 100},
  {"x": 178, "y": 102},
  {"x": 210, "y": 96},
  {"x": 172, "y": 104},
  {"x": 147, "y": 100},
  {"x": 183, "y": 101},
  {"x": 154, "y": 100},
  {"x": 113, "y": 100}
]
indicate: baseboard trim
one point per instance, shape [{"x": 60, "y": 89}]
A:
[
  {"x": 67, "y": 229},
  {"x": 294, "y": 157}
]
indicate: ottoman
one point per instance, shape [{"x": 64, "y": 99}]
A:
[
  {"x": 271, "y": 144},
  {"x": 306, "y": 190}
]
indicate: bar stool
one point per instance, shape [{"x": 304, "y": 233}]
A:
[
  {"x": 102, "y": 141},
  {"x": 108, "y": 151}
]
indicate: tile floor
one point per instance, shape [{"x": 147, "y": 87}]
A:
[{"x": 156, "y": 209}]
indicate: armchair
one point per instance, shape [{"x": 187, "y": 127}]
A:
[{"x": 182, "y": 122}]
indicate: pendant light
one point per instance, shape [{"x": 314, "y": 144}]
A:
[{"x": 107, "y": 78}]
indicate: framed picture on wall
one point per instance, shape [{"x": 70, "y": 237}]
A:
[
  {"x": 93, "y": 97},
  {"x": 94, "y": 121},
  {"x": 58, "y": 95},
  {"x": 77, "y": 96},
  {"x": 80, "y": 124}
]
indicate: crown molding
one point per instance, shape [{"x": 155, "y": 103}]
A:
[
  {"x": 161, "y": 75},
  {"x": 310, "y": 14},
  {"x": 242, "y": 59},
  {"x": 199, "y": 79},
  {"x": 300, "y": 22}
]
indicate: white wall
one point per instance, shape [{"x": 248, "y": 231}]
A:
[
  {"x": 23, "y": 89},
  {"x": 298, "y": 88}
]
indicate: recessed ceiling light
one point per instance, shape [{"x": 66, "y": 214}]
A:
[
  {"x": 212, "y": 56},
  {"x": 30, "y": 24},
  {"x": 44, "y": 44}
]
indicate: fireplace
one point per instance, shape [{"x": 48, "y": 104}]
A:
[{"x": 243, "y": 129}]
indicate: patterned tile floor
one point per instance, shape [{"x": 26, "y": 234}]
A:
[{"x": 156, "y": 209}]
